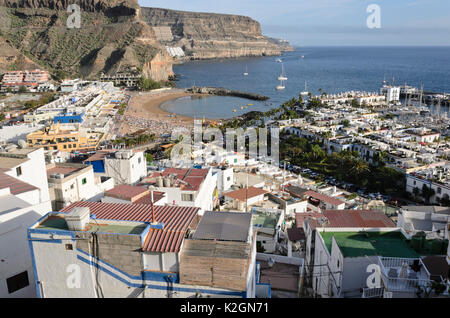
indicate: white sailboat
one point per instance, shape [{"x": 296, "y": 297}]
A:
[
  {"x": 305, "y": 92},
  {"x": 281, "y": 86},
  {"x": 278, "y": 60},
  {"x": 282, "y": 77},
  {"x": 246, "y": 71}
]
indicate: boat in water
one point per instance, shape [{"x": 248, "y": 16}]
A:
[
  {"x": 278, "y": 60},
  {"x": 281, "y": 86},
  {"x": 305, "y": 92},
  {"x": 246, "y": 71},
  {"x": 282, "y": 76}
]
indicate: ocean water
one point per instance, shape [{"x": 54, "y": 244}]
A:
[{"x": 332, "y": 69}]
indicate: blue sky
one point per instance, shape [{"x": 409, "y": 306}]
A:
[{"x": 335, "y": 22}]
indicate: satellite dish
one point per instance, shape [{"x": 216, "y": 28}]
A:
[{"x": 22, "y": 144}]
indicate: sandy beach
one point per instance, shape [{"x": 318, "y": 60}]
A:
[{"x": 144, "y": 112}]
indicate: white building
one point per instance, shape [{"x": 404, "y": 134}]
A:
[
  {"x": 187, "y": 187},
  {"x": 27, "y": 165},
  {"x": 136, "y": 259},
  {"x": 126, "y": 167},
  {"x": 392, "y": 93},
  {"x": 242, "y": 199},
  {"x": 24, "y": 198},
  {"x": 441, "y": 190},
  {"x": 70, "y": 183},
  {"x": 225, "y": 178}
]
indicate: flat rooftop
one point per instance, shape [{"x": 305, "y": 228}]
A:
[
  {"x": 59, "y": 223},
  {"x": 267, "y": 220},
  {"x": 358, "y": 244}
]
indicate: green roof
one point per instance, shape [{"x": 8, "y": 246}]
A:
[
  {"x": 357, "y": 244},
  {"x": 59, "y": 223}
]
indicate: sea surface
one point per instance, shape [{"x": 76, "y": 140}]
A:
[{"x": 331, "y": 69}]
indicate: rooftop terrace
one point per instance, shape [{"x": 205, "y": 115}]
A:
[
  {"x": 59, "y": 223},
  {"x": 357, "y": 244}
]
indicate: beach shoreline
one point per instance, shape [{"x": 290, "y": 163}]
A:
[{"x": 144, "y": 112}]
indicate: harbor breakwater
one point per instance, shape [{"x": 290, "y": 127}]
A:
[{"x": 219, "y": 91}]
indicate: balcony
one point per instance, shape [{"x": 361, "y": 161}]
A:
[{"x": 403, "y": 274}]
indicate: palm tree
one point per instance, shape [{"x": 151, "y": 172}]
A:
[{"x": 359, "y": 167}]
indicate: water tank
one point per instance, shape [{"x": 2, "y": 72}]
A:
[
  {"x": 167, "y": 182},
  {"x": 118, "y": 155},
  {"x": 159, "y": 182},
  {"x": 78, "y": 218}
]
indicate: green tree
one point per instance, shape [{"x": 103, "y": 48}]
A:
[{"x": 427, "y": 192}]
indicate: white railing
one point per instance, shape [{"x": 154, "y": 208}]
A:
[
  {"x": 373, "y": 292},
  {"x": 403, "y": 284}
]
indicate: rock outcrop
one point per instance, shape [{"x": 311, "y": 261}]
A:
[
  {"x": 119, "y": 34},
  {"x": 207, "y": 35}
]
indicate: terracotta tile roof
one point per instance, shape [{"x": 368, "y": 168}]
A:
[
  {"x": 147, "y": 199},
  {"x": 99, "y": 155},
  {"x": 127, "y": 192},
  {"x": 66, "y": 171},
  {"x": 301, "y": 217},
  {"x": 15, "y": 185},
  {"x": 191, "y": 179},
  {"x": 176, "y": 221},
  {"x": 324, "y": 198},
  {"x": 358, "y": 218},
  {"x": 242, "y": 193}
]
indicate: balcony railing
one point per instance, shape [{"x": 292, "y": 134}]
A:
[{"x": 391, "y": 269}]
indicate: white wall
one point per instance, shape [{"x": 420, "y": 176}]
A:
[
  {"x": 14, "y": 249},
  {"x": 34, "y": 172}
]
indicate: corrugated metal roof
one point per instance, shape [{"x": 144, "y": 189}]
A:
[
  {"x": 176, "y": 221},
  {"x": 224, "y": 226}
]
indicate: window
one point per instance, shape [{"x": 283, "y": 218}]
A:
[
  {"x": 229, "y": 178},
  {"x": 84, "y": 181},
  {"x": 17, "y": 282},
  {"x": 139, "y": 160},
  {"x": 439, "y": 190},
  {"x": 72, "y": 186},
  {"x": 69, "y": 247},
  {"x": 19, "y": 171},
  {"x": 187, "y": 197}
]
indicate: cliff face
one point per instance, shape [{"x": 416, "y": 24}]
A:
[
  {"x": 118, "y": 34},
  {"x": 206, "y": 35},
  {"x": 110, "y": 36}
]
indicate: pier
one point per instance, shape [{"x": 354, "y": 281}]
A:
[{"x": 226, "y": 92}]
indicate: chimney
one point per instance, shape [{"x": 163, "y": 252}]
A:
[{"x": 78, "y": 218}]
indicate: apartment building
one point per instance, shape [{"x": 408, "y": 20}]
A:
[
  {"x": 70, "y": 183},
  {"x": 24, "y": 198},
  {"x": 139, "y": 254},
  {"x": 187, "y": 187},
  {"x": 66, "y": 138}
]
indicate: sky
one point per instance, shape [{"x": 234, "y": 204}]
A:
[{"x": 335, "y": 22}]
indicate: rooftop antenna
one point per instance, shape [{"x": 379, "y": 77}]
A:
[{"x": 152, "y": 188}]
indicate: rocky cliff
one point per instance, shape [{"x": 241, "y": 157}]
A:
[
  {"x": 118, "y": 34},
  {"x": 206, "y": 35},
  {"x": 110, "y": 36}
]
